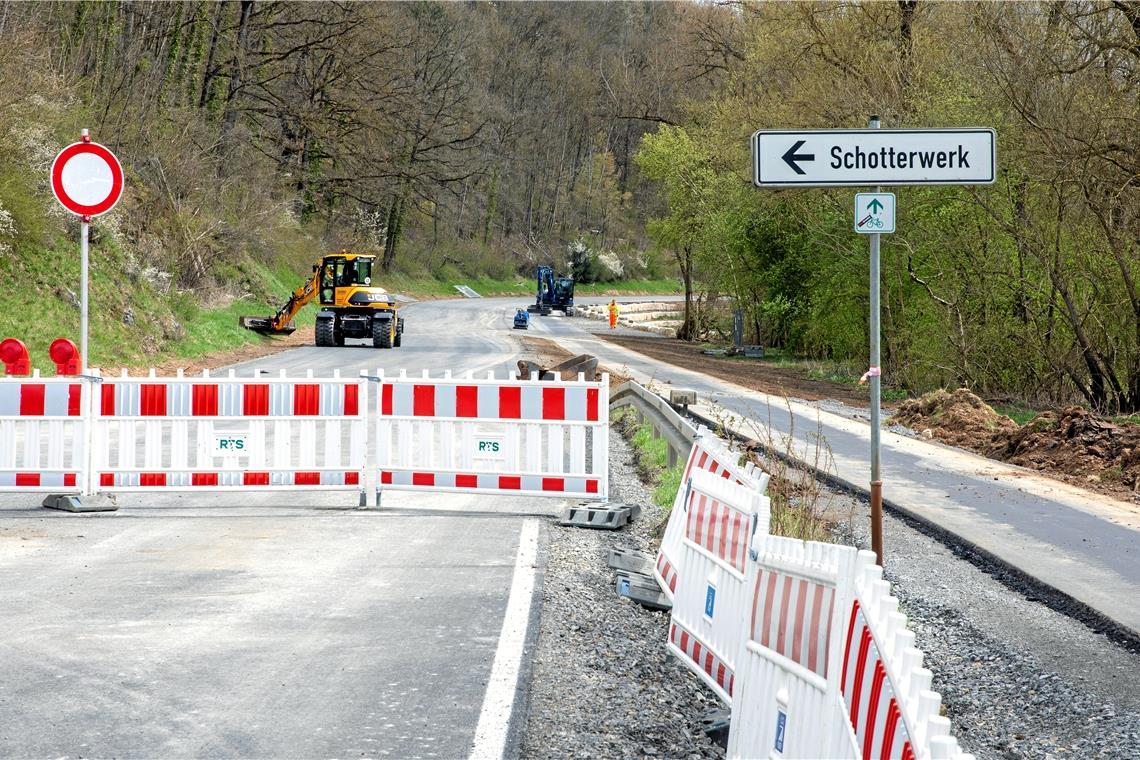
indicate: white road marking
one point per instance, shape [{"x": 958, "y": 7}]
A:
[{"x": 498, "y": 702}]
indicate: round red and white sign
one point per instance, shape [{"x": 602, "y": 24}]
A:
[{"x": 87, "y": 179}]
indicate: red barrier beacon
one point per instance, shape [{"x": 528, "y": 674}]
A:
[
  {"x": 65, "y": 354},
  {"x": 14, "y": 354}
]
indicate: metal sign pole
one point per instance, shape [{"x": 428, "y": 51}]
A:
[
  {"x": 876, "y": 481},
  {"x": 83, "y": 225}
]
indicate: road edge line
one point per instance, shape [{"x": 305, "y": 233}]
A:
[{"x": 498, "y": 701}]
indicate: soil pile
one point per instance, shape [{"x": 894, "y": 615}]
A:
[
  {"x": 1077, "y": 443},
  {"x": 959, "y": 418}
]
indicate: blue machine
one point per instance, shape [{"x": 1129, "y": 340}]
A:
[
  {"x": 553, "y": 293},
  {"x": 522, "y": 319}
]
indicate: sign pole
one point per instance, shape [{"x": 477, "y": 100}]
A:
[
  {"x": 874, "y": 372},
  {"x": 83, "y": 225}
]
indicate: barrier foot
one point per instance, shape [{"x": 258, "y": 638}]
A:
[
  {"x": 608, "y": 517},
  {"x": 76, "y": 503},
  {"x": 715, "y": 724},
  {"x": 363, "y": 501},
  {"x": 642, "y": 589}
]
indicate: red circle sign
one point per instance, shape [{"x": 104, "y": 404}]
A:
[{"x": 87, "y": 179}]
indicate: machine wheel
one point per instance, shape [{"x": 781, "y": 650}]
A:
[
  {"x": 399, "y": 333},
  {"x": 326, "y": 332},
  {"x": 338, "y": 337},
  {"x": 569, "y": 311},
  {"x": 383, "y": 333}
]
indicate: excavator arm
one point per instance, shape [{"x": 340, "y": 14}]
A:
[{"x": 282, "y": 321}]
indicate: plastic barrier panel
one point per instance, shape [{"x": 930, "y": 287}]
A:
[
  {"x": 228, "y": 433},
  {"x": 827, "y": 667},
  {"x": 709, "y": 455},
  {"x": 719, "y": 520},
  {"x": 507, "y": 436},
  {"x": 43, "y": 433}
]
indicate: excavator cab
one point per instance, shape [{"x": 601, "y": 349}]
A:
[{"x": 351, "y": 307}]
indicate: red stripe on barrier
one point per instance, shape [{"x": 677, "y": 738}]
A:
[
  {"x": 860, "y": 666},
  {"x": 204, "y": 400},
  {"x": 592, "y": 406},
  {"x": 889, "y": 735},
  {"x": 107, "y": 405},
  {"x": 386, "y": 477},
  {"x": 255, "y": 478},
  {"x": 847, "y": 648},
  {"x": 153, "y": 478},
  {"x": 696, "y": 655},
  {"x": 509, "y": 483},
  {"x": 74, "y": 394},
  {"x": 307, "y": 479},
  {"x": 152, "y": 400},
  {"x": 769, "y": 609},
  {"x": 731, "y": 683},
  {"x": 591, "y": 486},
  {"x": 306, "y": 399},
  {"x": 32, "y": 399},
  {"x": 798, "y": 628},
  {"x": 466, "y": 481},
  {"x": 510, "y": 403},
  {"x": 553, "y": 484},
  {"x": 701, "y": 461},
  {"x": 27, "y": 479},
  {"x": 352, "y": 478},
  {"x": 204, "y": 479},
  {"x": 708, "y": 662},
  {"x": 724, "y": 535},
  {"x": 351, "y": 399},
  {"x": 785, "y": 597},
  {"x": 553, "y": 403},
  {"x": 720, "y": 675},
  {"x": 423, "y": 478},
  {"x": 684, "y": 641},
  {"x": 813, "y": 626},
  {"x": 255, "y": 402},
  {"x": 69, "y": 479},
  {"x": 386, "y": 400},
  {"x": 738, "y": 549},
  {"x": 700, "y": 519},
  {"x": 873, "y": 708},
  {"x": 466, "y": 401},
  {"x": 725, "y": 474},
  {"x": 107, "y": 479},
  {"x": 908, "y": 752},
  {"x": 423, "y": 400}
]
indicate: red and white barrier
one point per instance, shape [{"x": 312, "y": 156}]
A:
[
  {"x": 720, "y": 517},
  {"x": 488, "y": 435},
  {"x": 827, "y": 667},
  {"x": 709, "y": 455},
  {"x": 229, "y": 433},
  {"x": 43, "y": 433}
]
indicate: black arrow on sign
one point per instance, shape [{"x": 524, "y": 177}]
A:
[{"x": 791, "y": 157}]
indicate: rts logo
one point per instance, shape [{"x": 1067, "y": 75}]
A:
[
  {"x": 489, "y": 446},
  {"x": 231, "y": 444}
]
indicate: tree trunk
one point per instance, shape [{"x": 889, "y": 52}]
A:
[{"x": 237, "y": 68}]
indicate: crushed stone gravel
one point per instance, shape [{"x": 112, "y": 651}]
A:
[{"x": 603, "y": 685}]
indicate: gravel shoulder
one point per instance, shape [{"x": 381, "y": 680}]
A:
[{"x": 602, "y": 684}]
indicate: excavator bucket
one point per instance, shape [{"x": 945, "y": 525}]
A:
[{"x": 264, "y": 325}]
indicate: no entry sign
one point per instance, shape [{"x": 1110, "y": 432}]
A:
[{"x": 87, "y": 179}]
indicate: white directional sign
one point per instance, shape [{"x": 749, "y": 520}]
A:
[
  {"x": 863, "y": 157},
  {"x": 874, "y": 212}
]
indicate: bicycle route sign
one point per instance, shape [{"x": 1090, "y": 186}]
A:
[
  {"x": 867, "y": 157},
  {"x": 874, "y": 212}
]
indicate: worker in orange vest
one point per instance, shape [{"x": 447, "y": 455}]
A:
[{"x": 613, "y": 313}]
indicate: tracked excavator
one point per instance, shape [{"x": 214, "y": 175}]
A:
[{"x": 351, "y": 306}]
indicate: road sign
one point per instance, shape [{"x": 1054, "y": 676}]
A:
[
  {"x": 87, "y": 179},
  {"x": 864, "y": 157},
  {"x": 874, "y": 212}
]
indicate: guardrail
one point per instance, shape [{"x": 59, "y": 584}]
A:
[{"x": 665, "y": 421}]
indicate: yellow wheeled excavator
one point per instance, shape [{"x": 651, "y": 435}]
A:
[{"x": 351, "y": 306}]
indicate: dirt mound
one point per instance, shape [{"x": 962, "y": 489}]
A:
[
  {"x": 1075, "y": 442},
  {"x": 959, "y": 418}
]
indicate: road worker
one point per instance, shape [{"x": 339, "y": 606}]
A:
[{"x": 613, "y": 313}]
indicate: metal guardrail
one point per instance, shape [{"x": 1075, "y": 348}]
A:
[
  {"x": 665, "y": 421},
  {"x": 467, "y": 292}
]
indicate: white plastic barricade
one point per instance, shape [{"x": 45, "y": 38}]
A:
[
  {"x": 488, "y": 435},
  {"x": 827, "y": 667},
  {"x": 230, "y": 433},
  {"x": 709, "y": 454},
  {"x": 43, "y": 433},
  {"x": 720, "y": 518}
]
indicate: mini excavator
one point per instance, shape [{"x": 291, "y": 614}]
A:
[{"x": 351, "y": 307}]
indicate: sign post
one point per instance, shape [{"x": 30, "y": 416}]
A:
[
  {"x": 874, "y": 156},
  {"x": 87, "y": 180}
]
